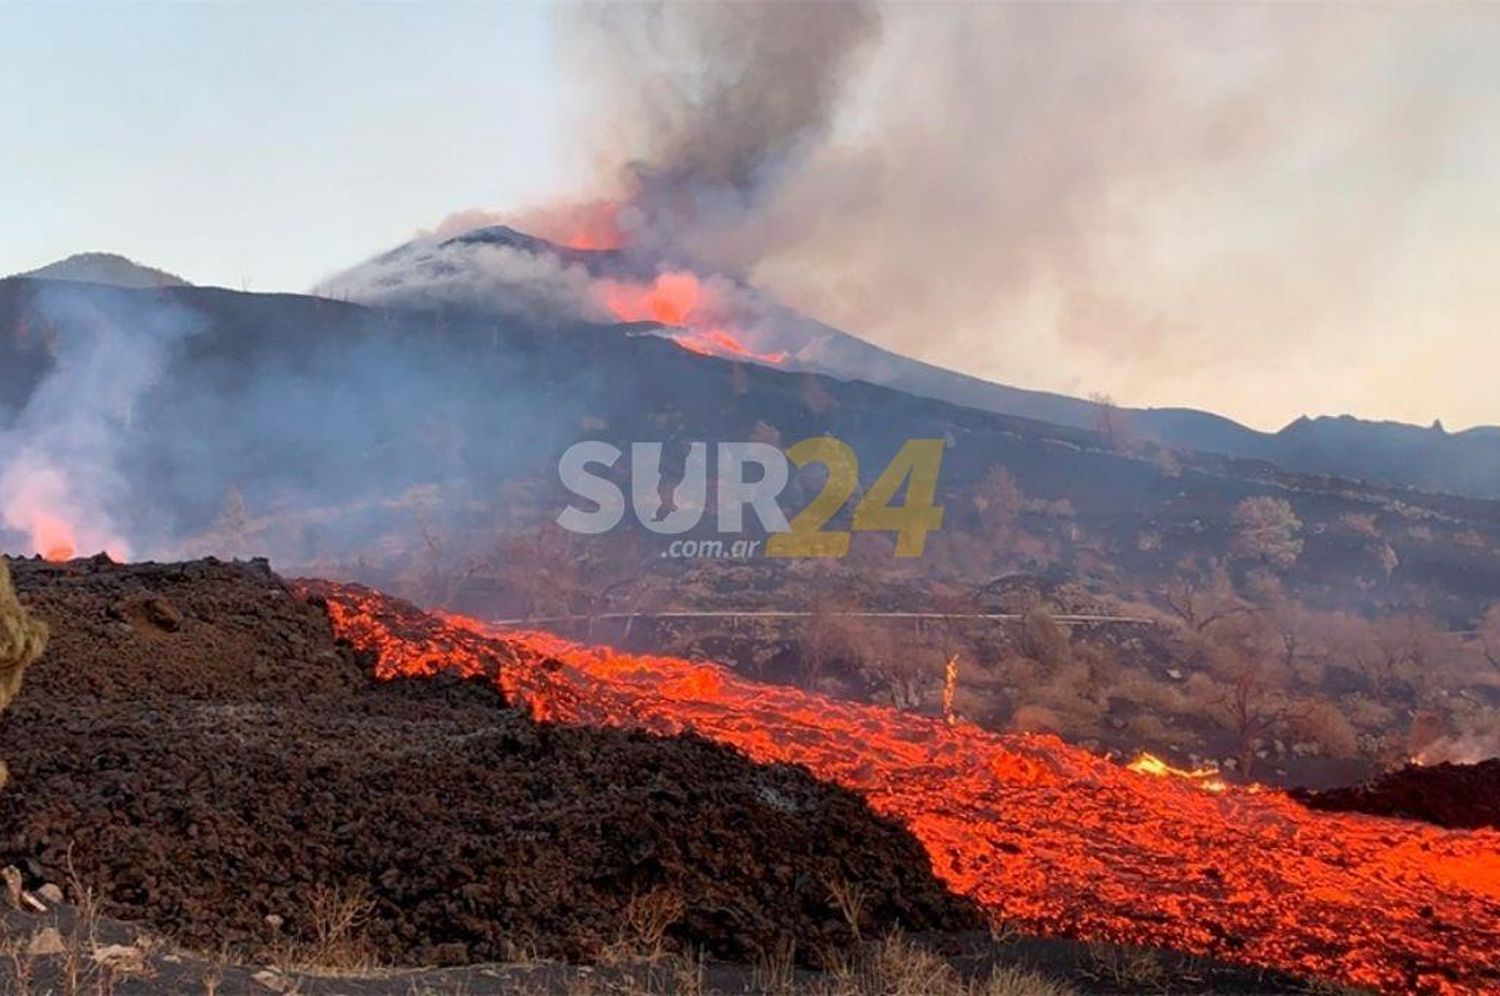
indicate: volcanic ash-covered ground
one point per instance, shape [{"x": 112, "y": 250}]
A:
[{"x": 1044, "y": 836}]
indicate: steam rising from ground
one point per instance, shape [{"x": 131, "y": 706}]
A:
[
  {"x": 61, "y": 481},
  {"x": 184, "y": 424},
  {"x": 1171, "y": 203}
]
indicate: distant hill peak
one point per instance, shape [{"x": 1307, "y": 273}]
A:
[{"x": 105, "y": 268}]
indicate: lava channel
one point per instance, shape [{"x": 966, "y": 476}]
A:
[{"x": 1048, "y": 838}]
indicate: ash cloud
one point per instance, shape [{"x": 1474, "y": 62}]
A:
[
  {"x": 699, "y": 111},
  {"x": 1173, "y": 203}
]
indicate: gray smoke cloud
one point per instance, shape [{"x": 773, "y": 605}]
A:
[
  {"x": 1193, "y": 204},
  {"x": 700, "y": 110}
]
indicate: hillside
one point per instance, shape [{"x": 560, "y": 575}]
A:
[
  {"x": 504, "y": 271},
  {"x": 1289, "y": 627},
  {"x": 327, "y": 416},
  {"x": 105, "y": 268}
]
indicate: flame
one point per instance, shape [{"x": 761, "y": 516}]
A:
[
  {"x": 679, "y": 298},
  {"x": 53, "y": 537},
  {"x": 1050, "y": 838},
  {"x": 591, "y": 225},
  {"x": 950, "y": 688},
  {"x": 1204, "y": 778},
  {"x": 36, "y": 499}
]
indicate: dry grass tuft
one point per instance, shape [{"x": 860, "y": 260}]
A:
[
  {"x": 22, "y": 640},
  {"x": 333, "y": 942}
]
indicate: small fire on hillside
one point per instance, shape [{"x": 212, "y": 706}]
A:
[
  {"x": 1045, "y": 836},
  {"x": 53, "y": 538}
]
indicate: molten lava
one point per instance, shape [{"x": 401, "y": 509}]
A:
[
  {"x": 1047, "y": 837},
  {"x": 53, "y": 537},
  {"x": 1205, "y": 778},
  {"x": 678, "y": 298}
]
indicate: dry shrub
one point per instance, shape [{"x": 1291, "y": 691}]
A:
[
  {"x": 1036, "y": 719},
  {"x": 1150, "y": 729},
  {"x": 1366, "y": 713},
  {"x": 1021, "y": 982},
  {"x": 22, "y": 640},
  {"x": 1322, "y": 723},
  {"x": 1148, "y": 693},
  {"x": 899, "y": 967},
  {"x": 1018, "y": 672},
  {"x": 1043, "y": 640},
  {"x": 643, "y": 926},
  {"x": 334, "y": 939},
  {"x": 1127, "y": 969}
]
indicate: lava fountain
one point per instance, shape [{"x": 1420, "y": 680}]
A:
[{"x": 1047, "y": 837}]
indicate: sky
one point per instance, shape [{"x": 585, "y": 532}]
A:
[
  {"x": 265, "y": 145},
  {"x": 1263, "y": 210}
]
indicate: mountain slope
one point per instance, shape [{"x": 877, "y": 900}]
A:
[
  {"x": 105, "y": 268},
  {"x": 503, "y": 270},
  {"x": 327, "y": 434}
]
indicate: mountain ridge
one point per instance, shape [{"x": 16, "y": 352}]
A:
[
  {"x": 110, "y": 269},
  {"x": 451, "y": 271}
]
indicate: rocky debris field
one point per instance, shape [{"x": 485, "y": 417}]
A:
[
  {"x": 1458, "y": 796},
  {"x": 197, "y": 752}
]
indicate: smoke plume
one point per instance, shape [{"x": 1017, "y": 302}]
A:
[
  {"x": 700, "y": 111},
  {"x": 1172, "y": 204},
  {"x": 62, "y": 485}
]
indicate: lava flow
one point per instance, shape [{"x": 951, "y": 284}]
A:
[
  {"x": 678, "y": 298},
  {"x": 1047, "y": 837}
]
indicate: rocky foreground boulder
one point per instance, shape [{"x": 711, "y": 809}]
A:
[{"x": 198, "y": 751}]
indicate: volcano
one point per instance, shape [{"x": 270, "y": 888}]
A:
[
  {"x": 1044, "y": 836},
  {"x": 498, "y": 268}
]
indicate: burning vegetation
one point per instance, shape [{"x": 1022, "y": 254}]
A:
[{"x": 1045, "y": 837}]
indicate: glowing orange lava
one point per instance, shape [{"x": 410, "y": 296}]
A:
[
  {"x": 53, "y": 538},
  {"x": 1047, "y": 837},
  {"x": 1205, "y": 778},
  {"x": 680, "y": 299}
]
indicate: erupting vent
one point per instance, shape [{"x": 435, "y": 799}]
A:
[{"x": 1047, "y": 837}]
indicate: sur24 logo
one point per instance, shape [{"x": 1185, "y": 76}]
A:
[{"x": 913, "y": 470}]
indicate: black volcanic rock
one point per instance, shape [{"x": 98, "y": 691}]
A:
[
  {"x": 1460, "y": 796},
  {"x": 240, "y": 764}
]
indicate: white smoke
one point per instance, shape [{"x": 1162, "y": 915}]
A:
[
  {"x": 434, "y": 271},
  {"x": 61, "y": 483}
]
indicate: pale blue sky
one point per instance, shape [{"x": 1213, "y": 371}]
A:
[{"x": 266, "y": 144}]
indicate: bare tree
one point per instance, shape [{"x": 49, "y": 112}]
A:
[
  {"x": 825, "y": 640},
  {"x": 1111, "y": 423},
  {"x": 1201, "y": 599},
  {"x": 1266, "y": 529}
]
